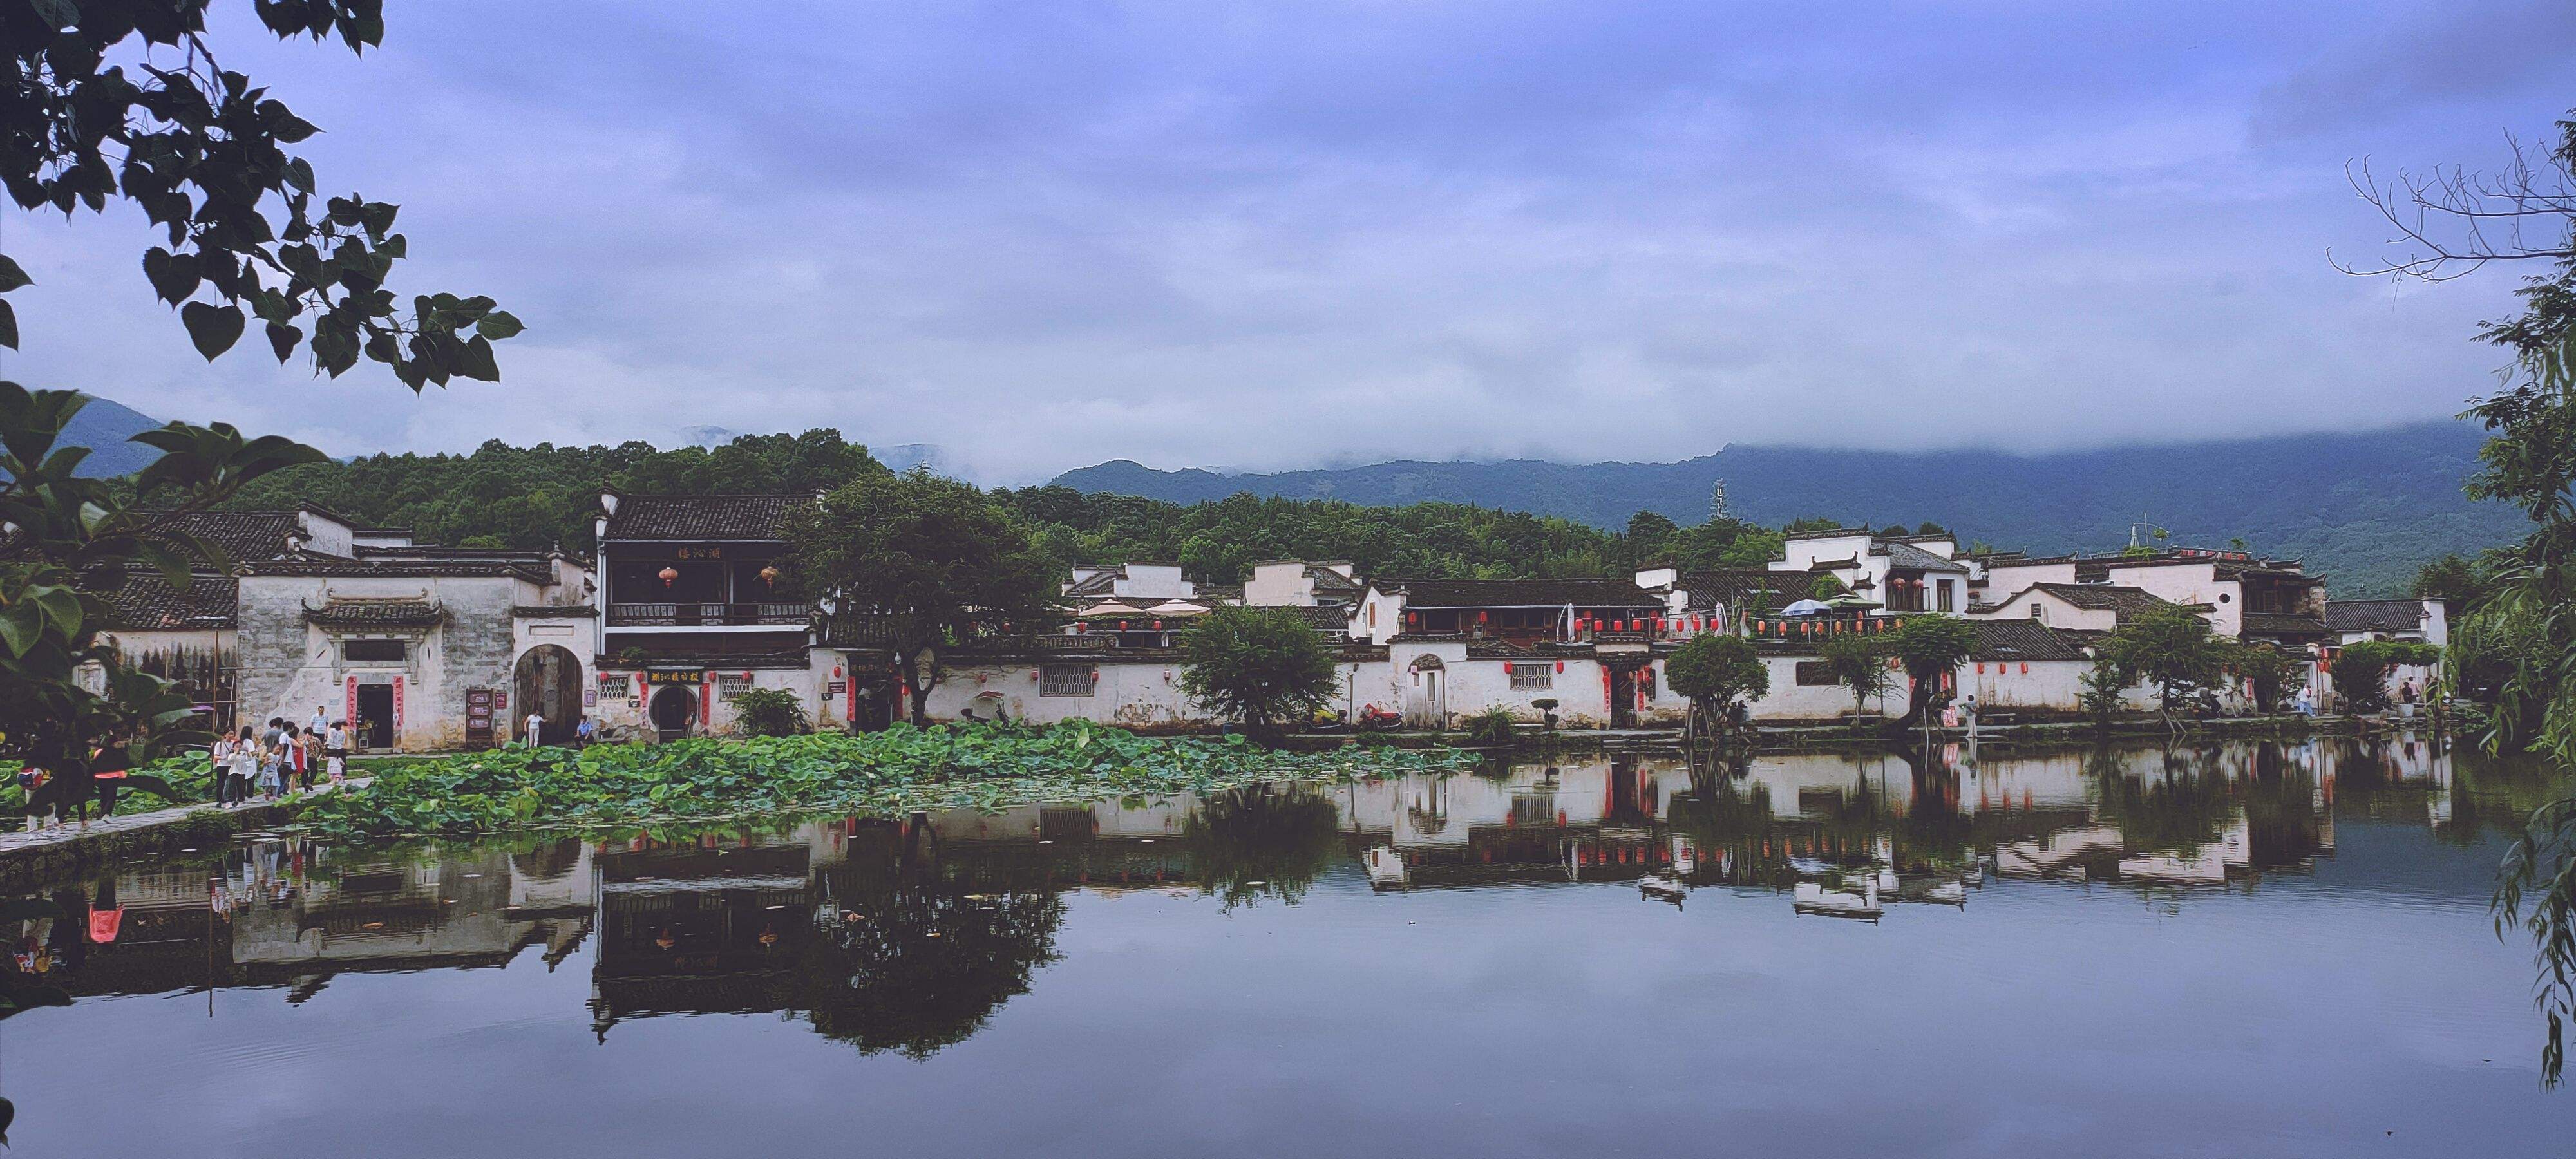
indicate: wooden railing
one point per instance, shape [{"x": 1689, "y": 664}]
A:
[{"x": 691, "y": 614}]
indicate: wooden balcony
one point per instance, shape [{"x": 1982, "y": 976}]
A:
[{"x": 779, "y": 614}]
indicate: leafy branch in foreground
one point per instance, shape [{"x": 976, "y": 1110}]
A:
[
  {"x": 65, "y": 542},
  {"x": 202, "y": 152}
]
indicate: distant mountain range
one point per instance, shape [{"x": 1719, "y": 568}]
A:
[
  {"x": 2365, "y": 509},
  {"x": 104, "y": 427}
]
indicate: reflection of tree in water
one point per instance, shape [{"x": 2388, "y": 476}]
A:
[
  {"x": 916, "y": 958},
  {"x": 2177, "y": 813},
  {"x": 1731, "y": 828},
  {"x": 1261, "y": 839},
  {"x": 1933, "y": 833}
]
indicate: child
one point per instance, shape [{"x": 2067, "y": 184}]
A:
[{"x": 336, "y": 751}]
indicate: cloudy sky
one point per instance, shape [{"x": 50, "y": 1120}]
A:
[{"x": 1282, "y": 234}]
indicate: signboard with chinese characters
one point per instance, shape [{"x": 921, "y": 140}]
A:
[
  {"x": 479, "y": 706},
  {"x": 698, "y": 553},
  {"x": 398, "y": 708},
  {"x": 674, "y": 677}
]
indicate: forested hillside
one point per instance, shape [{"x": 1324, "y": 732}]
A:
[
  {"x": 2366, "y": 509},
  {"x": 504, "y": 496}
]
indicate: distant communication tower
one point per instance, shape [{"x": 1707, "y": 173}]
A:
[
  {"x": 2140, "y": 530},
  {"x": 1717, "y": 502}
]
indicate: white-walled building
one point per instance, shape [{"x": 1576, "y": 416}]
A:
[{"x": 1913, "y": 573}]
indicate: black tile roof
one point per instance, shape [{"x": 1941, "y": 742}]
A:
[
  {"x": 377, "y": 613},
  {"x": 1521, "y": 593},
  {"x": 1901, "y": 554},
  {"x": 1334, "y": 619},
  {"x": 2374, "y": 615},
  {"x": 737, "y": 518},
  {"x": 2121, "y": 600},
  {"x": 2284, "y": 623},
  {"x": 243, "y": 535},
  {"x": 403, "y": 568},
  {"x": 1733, "y": 587},
  {"x": 146, "y": 602},
  {"x": 2013, "y": 639}
]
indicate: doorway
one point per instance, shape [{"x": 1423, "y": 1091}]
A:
[
  {"x": 1428, "y": 704},
  {"x": 548, "y": 683},
  {"x": 675, "y": 708},
  {"x": 1623, "y": 698},
  {"x": 375, "y": 724}
]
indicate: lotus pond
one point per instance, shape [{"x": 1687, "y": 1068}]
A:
[{"x": 2252, "y": 949}]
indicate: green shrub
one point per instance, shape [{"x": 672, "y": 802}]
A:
[
  {"x": 771, "y": 712},
  {"x": 1492, "y": 727}
]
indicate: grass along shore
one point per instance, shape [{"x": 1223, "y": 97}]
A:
[{"x": 894, "y": 771}]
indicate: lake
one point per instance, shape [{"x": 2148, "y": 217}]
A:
[{"x": 2254, "y": 949}]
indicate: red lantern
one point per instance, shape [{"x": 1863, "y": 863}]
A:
[{"x": 670, "y": 575}]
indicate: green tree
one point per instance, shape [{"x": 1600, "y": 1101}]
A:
[
  {"x": 1715, "y": 672},
  {"x": 1825, "y": 587},
  {"x": 2170, "y": 648},
  {"x": 1859, "y": 664},
  {"x": 2456, "y": 579},
  {"x": 923, "y": 564},
  {"x": 2530, "y": 462},
  {"x": 202, "y": 152},
  {"x": 2103, "y": 684},
  {"x": 2360, "y": 671},
  {"x": 1261, "y": 666},
  {"x": 1932, "y": 648},
  {"x": 2264, "y": 667}
]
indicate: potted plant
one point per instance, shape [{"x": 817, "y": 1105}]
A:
[{"x": 1547, "y": 712}]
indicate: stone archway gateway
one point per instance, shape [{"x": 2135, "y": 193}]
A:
[{"x": 548, "y": 682}]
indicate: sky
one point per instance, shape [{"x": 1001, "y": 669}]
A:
[{"x": 1271, "y": 235}]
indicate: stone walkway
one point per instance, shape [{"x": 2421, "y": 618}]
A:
[{"x": 103, "y": 829}]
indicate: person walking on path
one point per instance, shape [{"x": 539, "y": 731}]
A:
[
  {"x": 107, "y": 784},
  {"x": 536, "y": 725},
  {"x": 1968, "y": 716},
  {"x": 335, "y": 751}
]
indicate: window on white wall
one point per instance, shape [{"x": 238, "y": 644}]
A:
[
  {"x": 732, "y": 684},
  {"x": 1068, "y": 680},
  {"x": 1532, "y": 677}
]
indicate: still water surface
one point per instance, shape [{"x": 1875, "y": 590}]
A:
[{"x": 2253, "y": 950}]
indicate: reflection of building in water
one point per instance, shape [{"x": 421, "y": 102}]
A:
[
  {"x": 907, "y": 934},
  {"x": 405, "y": 912},
  {"x": 293, "y": 912}
]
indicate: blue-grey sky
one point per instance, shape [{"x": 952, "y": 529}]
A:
[{"x": 1281, "y": 234}]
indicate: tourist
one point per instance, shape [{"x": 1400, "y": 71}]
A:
[
  {"x": 536, "y": 726},
  {"x": 107, "y": 783},
  {"x": 335, "y": 750},
  {"x": 2406, "y": 698},
  {"x": 272, "y": 749},
  {"x": 30, "y": 779},
  {"x": 584, "y": 732},
  {"x": 222, "y": 756},
  {"x": 2307, "y": 702},
  {"x": 240, "y": 762},
  {"x": 315, "y": 726},
  {"x": 1968, "y": 716},
  {"x": 289, "y": 747}
]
